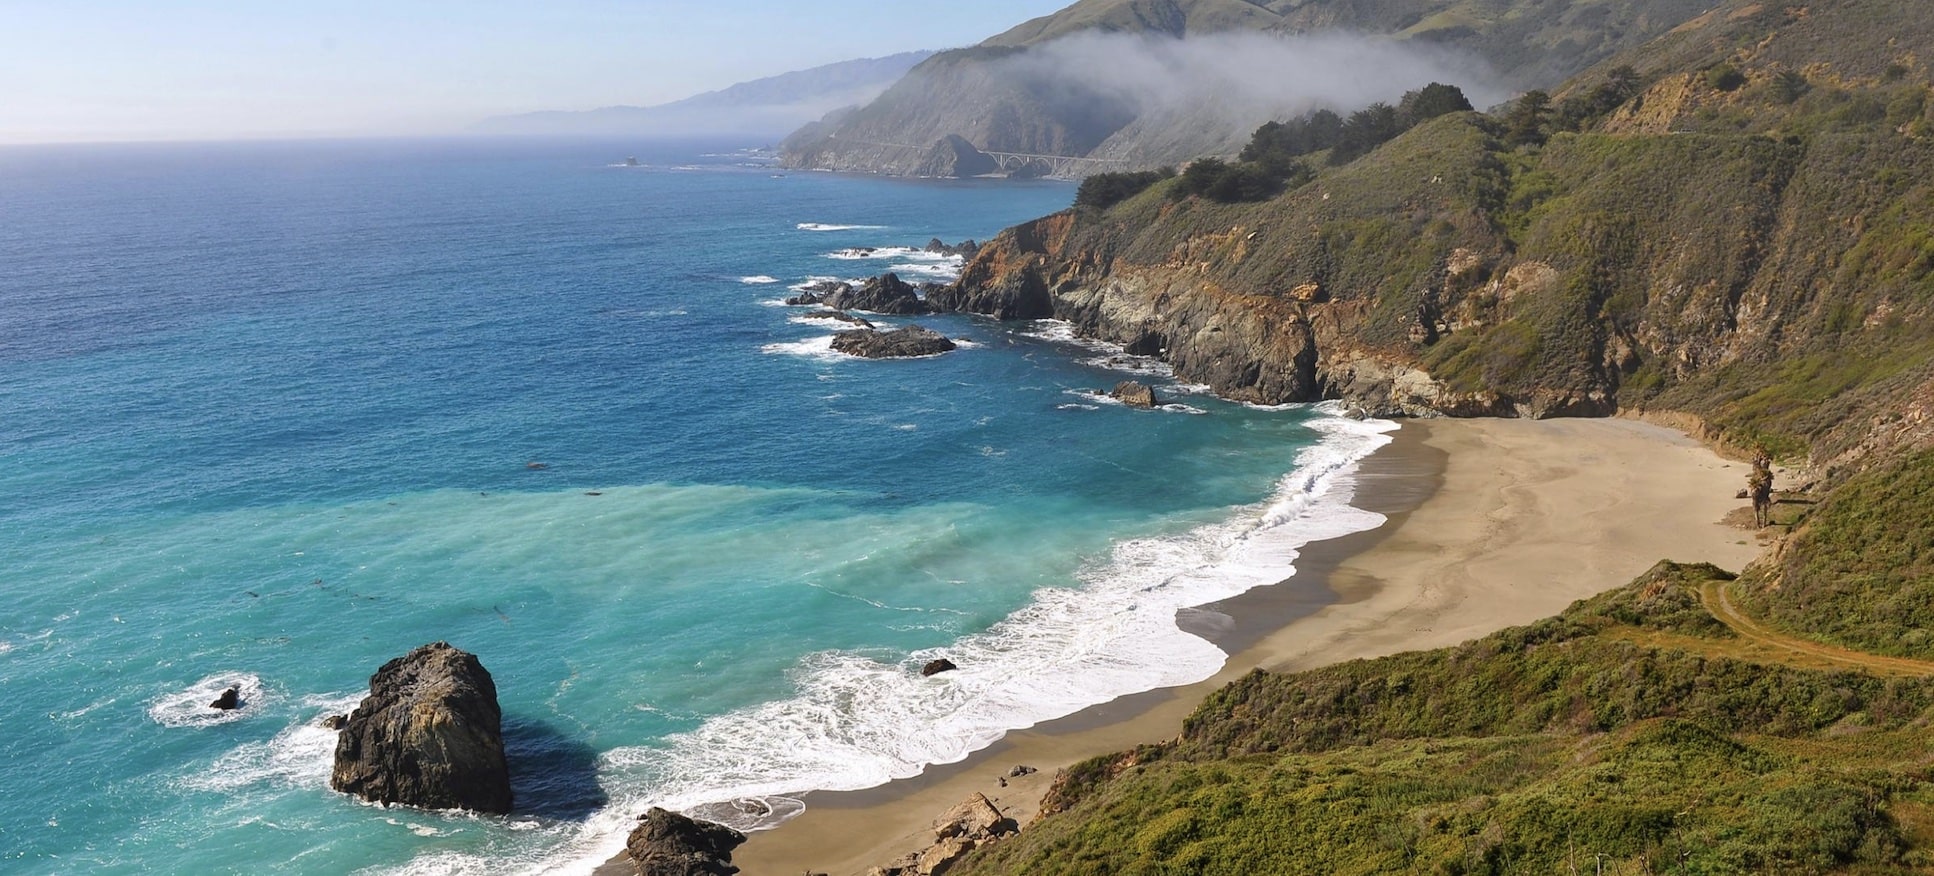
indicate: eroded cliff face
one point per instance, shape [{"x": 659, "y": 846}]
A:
[
  {"x": 1248, "y": 347},
  {"x": 1774, "y": 287}
]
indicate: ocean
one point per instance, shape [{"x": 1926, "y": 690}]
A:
[{"x": 272, "y": 414}]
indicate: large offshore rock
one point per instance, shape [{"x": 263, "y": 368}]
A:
[
  {"x": 430, "y": 735},
  {"x": 669, "y": 844},
  {"x": 904, "y": 342},
  {"x": 886, "y": 293}
]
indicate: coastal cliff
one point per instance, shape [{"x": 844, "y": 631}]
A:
[
  {"x": 1730, "y": 224},
  {"x": 1734, "y": 251}
]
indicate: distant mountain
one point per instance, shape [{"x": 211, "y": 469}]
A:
[
  {"x": 772, "y": 106},
  {"x": 1116, "y": 85}
]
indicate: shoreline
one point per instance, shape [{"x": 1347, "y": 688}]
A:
[{"x": 1491, "y": 524}]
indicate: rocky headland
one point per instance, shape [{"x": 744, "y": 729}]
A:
[{"x": 429, "y": 735}]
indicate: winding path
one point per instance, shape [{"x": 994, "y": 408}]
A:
[{"x": 1715, "y": 596}]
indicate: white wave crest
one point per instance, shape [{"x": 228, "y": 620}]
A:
[
  {"x": 759, "y": 280},
  {"x": 857, "y": 721},
  {"x": 823, "y": 226},
  {"x": 820, "y": 348},
  {"x": 190, "y": 707},
  {"x": 300, "y": 755}
]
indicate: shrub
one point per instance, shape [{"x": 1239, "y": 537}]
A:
[{"x": 1104, "y": 190}]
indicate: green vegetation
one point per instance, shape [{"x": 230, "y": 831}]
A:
[
  {"x": 1732, "y": 221},
  {"x": 1860, "y": 571},
  {"x": 1530, "y": 751},
  {"x": 1104, "y": 190},
  {"x": 1278, "y": 154}
]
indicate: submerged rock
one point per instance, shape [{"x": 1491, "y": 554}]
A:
[
  {"x": 1134, "y": 394},
  {"x": 430, "y": 734},
  {"x": 897, "y": 344},
  {"x": 839, "y": 316},
  {"x": 669, "y": 844},
  {"x": 935, "y": 667}
]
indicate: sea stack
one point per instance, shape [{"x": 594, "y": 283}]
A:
[{"x": 429, "y": 735}]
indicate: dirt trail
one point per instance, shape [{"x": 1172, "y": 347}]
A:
[{"x": 1802, "y": 652}]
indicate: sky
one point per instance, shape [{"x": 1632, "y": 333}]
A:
[{"x": 108, "y": 70}]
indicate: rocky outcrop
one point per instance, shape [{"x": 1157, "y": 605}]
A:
[
  {"x": 1134, "y": 394},
  {"x": 965, "y": 249},
  {"x": 954, "y": 157},
  {"x": 970, "y": 825},
  {"x": 817, "y": 292},
  {"x": 669, "y": 844},
  {"x": 886, "y": 294},
  {"x": 230, "y": 700},
  {"x": 901, "y": 343},
  {"x": 430, "y": 735},
  {"x": 935, "y": 667}
]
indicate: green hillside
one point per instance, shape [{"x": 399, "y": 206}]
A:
[
  {"x": 1733, "y": 222},
  {"x": 1621, "y": 732},
  {"x": 1000, "y": 95}
]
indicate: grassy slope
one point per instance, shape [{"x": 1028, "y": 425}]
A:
[
  {"x": 1859, "y": 572},
  {"x": 1531, "y": 750},
  {"x": 1771, "y": 268}
]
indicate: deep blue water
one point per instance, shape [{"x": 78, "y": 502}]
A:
[{"x": 269, "y": 415}]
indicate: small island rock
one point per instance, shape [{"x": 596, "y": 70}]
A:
[
  {"x": 886, "y": 294},
  {"x": 669, "y": 844},
  {"x": 900, "y": 343},
  {"x": 230, "y": 700},
  {"x": 935, "y": 667},
  {"x": 1134, "y": 394},
  {"x": 430, "y": 734},
  {"x": 817, "y": 291}
]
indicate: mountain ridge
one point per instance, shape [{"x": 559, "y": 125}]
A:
[
  {"x": 1009, "y": 94},
  {"x": 771, "y": 105}
]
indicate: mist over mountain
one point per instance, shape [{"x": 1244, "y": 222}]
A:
[
  {"x": 1122, "y": 84},
  {"x": 771, "y": 106}
]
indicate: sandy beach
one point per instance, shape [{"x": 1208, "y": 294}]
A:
[{"x": 1493, "y": 523}]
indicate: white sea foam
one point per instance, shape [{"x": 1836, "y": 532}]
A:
[
  {"x": 823, "y": 226},
  {"x": 1111, "y": 356},
  {"x": 907, "y": 253},
  {"x": 301, "y": 754},
  {"x": 820, "y": 347},
  {"x": 927, "y": 270},
  {"x": 758, "y": 280},
  {"x": 189, "y": 707},
  {"x": 809, "y": 282},
  {"x": 856, "y": 721}
]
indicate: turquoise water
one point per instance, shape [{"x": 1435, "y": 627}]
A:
[{"x": 270, "y": 414}]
